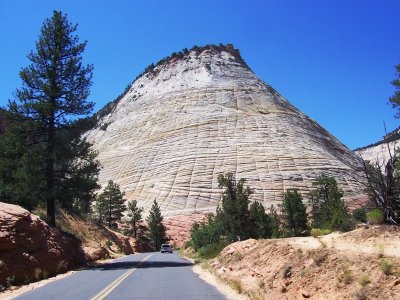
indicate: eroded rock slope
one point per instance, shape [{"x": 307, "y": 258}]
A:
[{"x": 204, "y": 113}]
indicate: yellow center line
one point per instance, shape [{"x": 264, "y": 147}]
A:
[{"x": 107, "y": 290}]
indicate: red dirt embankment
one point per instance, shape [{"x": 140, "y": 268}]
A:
[
  {"x": 337, "y": 266},
  {"x": 31, "y": 250}
]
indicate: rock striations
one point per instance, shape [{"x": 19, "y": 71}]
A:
[{"x": 203, "y": 113}]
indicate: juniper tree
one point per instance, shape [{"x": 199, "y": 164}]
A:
[
  {"x": 294, "y": 213},
  {"x": 54, "y": 90},
  {"x": 157, "y": 230}
]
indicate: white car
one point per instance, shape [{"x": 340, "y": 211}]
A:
[{"x": 166, "y": 248}]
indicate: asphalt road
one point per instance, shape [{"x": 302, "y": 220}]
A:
[{"x": 140, "y": 276}]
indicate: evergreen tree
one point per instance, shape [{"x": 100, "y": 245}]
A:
[
  {"x": 20, "y": 172},
  {"x": 134, "y": 216},
  {"x": 294, "y": 213},
  {"x": 157, "y": 230},
  {"x": 54, "y": 90},
  {"x": 328, "y": 209},
  {"x": 395, "y": 99},
  {"x": 110, "y": 204},
  {"x": 100, "y": 209},
  {"x": 205, "y": 233},
  {"x": 276, "y": 222},
  {"x": 234, "y": 215},
  {"x": 261, "y": 223}
]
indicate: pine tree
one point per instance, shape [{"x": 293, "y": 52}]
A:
[
  {"x": 294, "y": 213},
  {"x": 54, "y": 90},
  {"x": 261, "y": 223},
  {"x": 395, "y": 99},
  {"x": 328, "y": 208},
  {"x": 20, "y": 174},
  {"x": 110, "y": 204},
  {"x": 157, "y": 230},
  {"x": 134, "y": 216},
  {"x": 234, "y": 215}
]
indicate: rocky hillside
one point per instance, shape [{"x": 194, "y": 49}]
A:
[
  {"x": 201, "y": 113},
  {"x": 362, "y": 264},
  {"x": 30, "y": 250}
]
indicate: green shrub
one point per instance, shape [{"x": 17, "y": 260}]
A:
[
  {"x": 364, "y": 280},
  {"x": 346, "y": 277},
  {"x": 9, "y": 282},
  {"x": 360, "y": 214},
  {"x": 211, "y": 250},
  {"x": 386, "y": 266},
  {"x": 375, "y": 217}
]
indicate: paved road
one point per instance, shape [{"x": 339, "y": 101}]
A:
[{"x": 139, "y": 276}]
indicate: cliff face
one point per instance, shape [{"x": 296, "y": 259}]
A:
[{"x": 204, "y": 113}]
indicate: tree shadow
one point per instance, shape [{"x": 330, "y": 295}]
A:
[{"x": 140, "y": 265}]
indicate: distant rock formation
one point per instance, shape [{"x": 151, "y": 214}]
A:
[
  {"x": 201, "y": 113},
  {"x": 381, "y": 151}
]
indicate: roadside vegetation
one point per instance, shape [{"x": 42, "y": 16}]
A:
[
  {"x": 46, "y": 165},
  {"x": 238, "y": 219}
]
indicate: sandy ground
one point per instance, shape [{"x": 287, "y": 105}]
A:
[
  {"x": 335, "y": 266},
  {"x": 221, "y": 286}
]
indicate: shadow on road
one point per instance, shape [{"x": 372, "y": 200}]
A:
[{"x": 141, "y": 265}]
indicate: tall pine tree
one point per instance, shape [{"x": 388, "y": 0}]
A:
[
  {"x": 54, "y": 90},
  {"x": 157, "y": 229},
  {"x": 111, "y": 204},
  {"x": 134, "y": 216},
  {"x": 234, "y": 215},
  {"x": 294, "y": 213}
]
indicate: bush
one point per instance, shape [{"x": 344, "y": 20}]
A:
[
  {"x": 364, "y": 280},
  {"x": 360, "y": 214},
  {"x": 375, "y": 217},
  {"x": 211, "y": 250},
  {"x": 386, "y": 266}
]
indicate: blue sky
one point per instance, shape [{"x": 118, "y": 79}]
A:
[{"x": 332, "y": 59}]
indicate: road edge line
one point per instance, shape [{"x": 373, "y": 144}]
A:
[{"x": 109, "y": 288}]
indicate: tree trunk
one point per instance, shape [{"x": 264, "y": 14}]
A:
[{"x": 51, "y": 212}]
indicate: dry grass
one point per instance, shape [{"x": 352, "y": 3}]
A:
[
  {"x": 364, "y": 280},
  {"x": 236, "y": 285}
]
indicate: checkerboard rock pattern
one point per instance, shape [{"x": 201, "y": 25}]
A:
[{"x": 192, "y": 118}]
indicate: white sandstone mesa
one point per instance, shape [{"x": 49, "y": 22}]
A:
[{"x": 199, "y": 114}]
